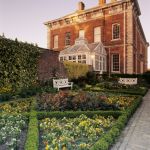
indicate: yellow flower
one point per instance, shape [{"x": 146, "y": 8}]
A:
[
  {"x": 64, "y": 148},
  {"x": 47, "y": 147}
]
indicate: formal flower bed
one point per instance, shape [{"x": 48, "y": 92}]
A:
[
  {"x": 116, "y": 87},
  {"x": 63, "y": 101},
  {"x": 73, "y": 133},
  {"x": 15, "y": 107},
  {"x": 12, "y": 131}
]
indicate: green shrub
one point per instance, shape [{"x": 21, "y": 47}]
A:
[
  {"x": 91, "y": 78},
  {"x": 18, "y": 63},
  {"x": 75, "y": 70},
  {"x": 101, "y": 145},
  {"x": 5, "y": 97},
  {"x": 73, "y": 114},
  {"x": 32, "y": 141},
  {"x": 146, "y": 76}
]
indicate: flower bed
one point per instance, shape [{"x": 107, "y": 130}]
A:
[
  {"x": 15, "y": 106},
  {"x": 118, "y": 88},
  {"x": 12, "y": 131},
  {"x": 83, "y": 101},
  {"x": 73, "y": 133}
]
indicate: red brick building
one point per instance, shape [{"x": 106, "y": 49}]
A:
[
  {"x": 49, "y": 65},
  {"x": 115, "y": 24}
]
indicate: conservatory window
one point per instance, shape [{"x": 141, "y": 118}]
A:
[
  {"x": 83, "y": 56},
  {"x": 74, "y": 57},
  {"x": 61, "y": 59},
  {"x": 79, "y": 57},
  {"x": 70, "y": 57}
]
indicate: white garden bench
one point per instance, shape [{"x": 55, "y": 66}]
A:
[
  {"x": 128, "y": 81},
  {"x": 62, "y": 83}
]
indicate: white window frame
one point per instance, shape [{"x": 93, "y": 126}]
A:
[
  {"x": 67, "y": 39},
  {"x": 56, "y": 38},
  {"x": 81, "y": 33},
  {"x": 118, "y": 38},
  {"x": 97, "y": 34},
  {"x": 112, "y": 63}
]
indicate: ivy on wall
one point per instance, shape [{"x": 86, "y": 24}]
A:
[{"x": 18, "y": 63}]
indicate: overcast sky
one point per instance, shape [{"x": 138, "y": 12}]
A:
[{"x": 24, "y": 18}]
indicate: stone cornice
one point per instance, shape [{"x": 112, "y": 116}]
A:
[{"x": 87, "y": 11}]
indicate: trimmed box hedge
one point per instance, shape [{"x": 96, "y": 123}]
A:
[
  {"x": 110, "y": 137},
  {"x": 105, "y": 141},
  {"x": 141, "y": 92}
]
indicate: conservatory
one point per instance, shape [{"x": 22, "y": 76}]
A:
[{"x": 91, "y": 54}]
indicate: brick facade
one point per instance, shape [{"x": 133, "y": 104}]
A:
[
  {"x": 131, "y": 46},
  {"x": 49, "y": 65}
]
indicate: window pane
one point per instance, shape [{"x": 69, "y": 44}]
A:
[
  {"x": 74, "y": 57},
  {"x": 84, "y": 61},
  {"x": 61, "y": 58},
  {"x": 79, "y": 56},
  {"x": 81, "y": 34},
  {"x": 97, "y": 34},
  {"x": 70, "y": 57},
  {"x": 67, "y": 39},
  {"x": 83, "y": 56},
  {"x": 116, "y": 31},
  {"x": 65, "y": 58},
  {"x": 115, "y": 62}
]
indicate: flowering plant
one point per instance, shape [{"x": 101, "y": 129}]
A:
[
  {"x": 10, "y": 130},
  {"x": 77, "y": 133}
]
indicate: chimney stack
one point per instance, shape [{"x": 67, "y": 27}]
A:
[
  {"x": 112, "y": 1},
  {"x": 81, "y": 6},
  {"x": 102, "y": 2}
]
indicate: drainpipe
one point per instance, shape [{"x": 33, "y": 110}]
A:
[
  {"x": 124, "y": 39},
  {"x": 109, "y": 63}
]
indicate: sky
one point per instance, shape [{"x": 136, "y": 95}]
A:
[{"x": 23, "y": 19}]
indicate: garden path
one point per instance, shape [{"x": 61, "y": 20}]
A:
[{"x": 136, "y": 136}]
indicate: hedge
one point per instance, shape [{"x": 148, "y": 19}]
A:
[
  {"x": 32, "y": 141},
  {"x": 73, "y": 114},
  {"x": 107, "y": 139},
  {"x": 141, "y": 92},
  {"x": 75, "y": 70},
  {"x": 18, "y": 63}
]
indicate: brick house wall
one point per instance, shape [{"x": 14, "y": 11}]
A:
[
  {"x": 49, "y": 65},
  {"x": 132, "y": 38}
]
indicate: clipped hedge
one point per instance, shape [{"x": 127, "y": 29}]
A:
[
  {"x": 75, "y": 70},
  {"x": 110, "y": 137},
  {"x": 141, "y": 92},
  {"x": 18, "y": 63},
  {"x": 73, "y": 114},
  {"x": 126, "y": 75},
  {"x": 32, "y": 141},
  {"x": 146, "y": 76}
]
